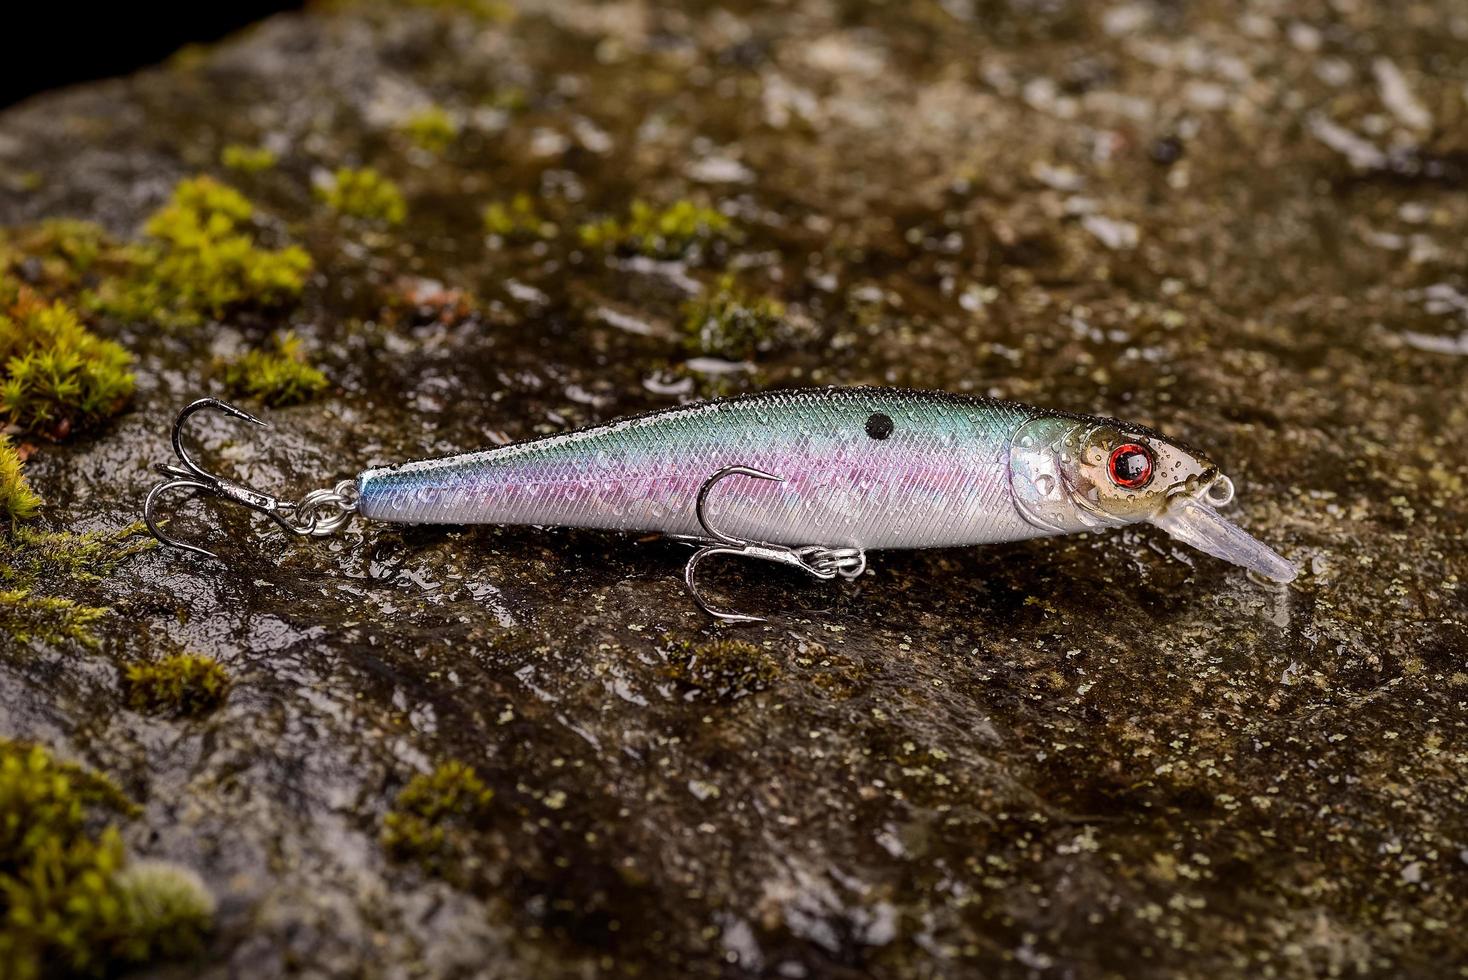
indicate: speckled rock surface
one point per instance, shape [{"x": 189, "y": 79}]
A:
[{"x": 1095, "y": 756}]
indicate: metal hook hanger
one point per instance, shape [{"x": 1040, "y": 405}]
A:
[
  {"x": 318, "y": 513},
  {"x": 815, "y": 560}
]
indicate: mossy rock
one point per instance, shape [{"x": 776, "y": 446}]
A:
[
  {"x": 71, "y": 901},
  {"x": 182, "y": 684},
  {"x": 277, "y": 375},
  {"x": 432, "y": 815},
  {"x": 364, "y": 194},
  {"x": 17, "y": 500},
  {"x": 668, "y": 232},
  {"x": 56, "y": 376},
  {"x": 724, "y": 669},
  {"x": 729, "y": 322},
  {"x": 200, "y": 261}
]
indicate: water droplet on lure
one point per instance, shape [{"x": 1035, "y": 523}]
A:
[{"x": 1045, "y": 485}]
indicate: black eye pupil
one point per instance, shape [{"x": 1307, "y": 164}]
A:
[
  {"x": 1132, "y": 466},
  {"x": 879, "y": 426}
]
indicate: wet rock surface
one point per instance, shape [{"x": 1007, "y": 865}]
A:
[{"x": 1098, "y": 755}]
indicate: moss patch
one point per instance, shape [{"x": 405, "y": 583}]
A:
[
  {"x": 278, "y": 375},
  {"x": 56, "y": 376},
  {"x": 432, "y": 129},
  {"x": 725, "y": 669},
  {"x": 184, "y": 684},
  {"x": 434, "y": 811},
  {"x": 728, "y": 322},
  {"x": 202, "y": 262},
  {"x": 51, "y": 619},
  {"x": 29, "y": 556},
  {"x": 248, "y": 159},
  {"x": 518, "y": 220},
  {"x": 670, "y": 232},
  {"x": 58, "y": 253},
  {"x": 36, "y": 565},
  {"x": 364, "y": 194},
  {"x": 17, "y": 500},
  {"x": 70, "y": 901}
]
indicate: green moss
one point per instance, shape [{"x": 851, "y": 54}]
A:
[
  {"x": 56, "y": 376},
  {"x": 59, "y": 252},
  {"x": 433, "y": 129},
  {"x": 364, "y": 194},
  {"x": 184, "y": 684},
  {"x": 728, "y": 322},
  {"x": 201, "y": 262},
  {"x": 51, "y": 619},
  {"x": 35, "y": 565},
  {"x": 512, "y": 98},
  {"x": 277, "y": 376},
  {"x": 29, "y": 556},
  {"x": 518, "y": 221},
  {"x": 39, "y": 795},
  {"x": 17, "y": 500},
  {"x": 728, "y": 669},
  {"x": 71, "y": 904},
  {"x": 248, "y": 159},
  {"x": 434, "y": 811},
  {"x": 200, "y": 203},
  {"x": 670, "y": 232}
]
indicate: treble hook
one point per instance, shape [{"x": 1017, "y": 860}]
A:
[
  {"x": 319, "y": 512},
  {"x": 815, "y": 560}
]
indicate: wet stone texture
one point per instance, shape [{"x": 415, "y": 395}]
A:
[{"x": 1092, "y": 756}]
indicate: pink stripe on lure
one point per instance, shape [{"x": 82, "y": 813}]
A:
[{"x": 811, "y": 478}]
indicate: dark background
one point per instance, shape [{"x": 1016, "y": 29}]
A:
[{"x": 51, "y": 43}]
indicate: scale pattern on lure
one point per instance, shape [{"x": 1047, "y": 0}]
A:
[
  {"x": 865, "y": 468},
  {"x": 812, "y": 478}
]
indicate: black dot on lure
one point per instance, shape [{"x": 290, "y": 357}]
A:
[{"x": 879, "y": 426}]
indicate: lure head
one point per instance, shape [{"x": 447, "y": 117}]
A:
[{"x": 1072, "y": 474}]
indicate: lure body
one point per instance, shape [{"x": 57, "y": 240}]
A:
[
  {"x": 814, "y": 479},
  {"x": 860, "y": 467}
]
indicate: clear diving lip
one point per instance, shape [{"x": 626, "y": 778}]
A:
[{"x": 1195, "y": 523}]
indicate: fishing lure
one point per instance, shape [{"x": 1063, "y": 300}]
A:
[{"x": 812, "y": 479}]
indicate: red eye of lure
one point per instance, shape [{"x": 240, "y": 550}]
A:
[{"x": 1130, "y": 466}]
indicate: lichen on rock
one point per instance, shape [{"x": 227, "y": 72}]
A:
[
  {"x": 42, "y": 574},
  {"x": 724, "y": 668}
]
